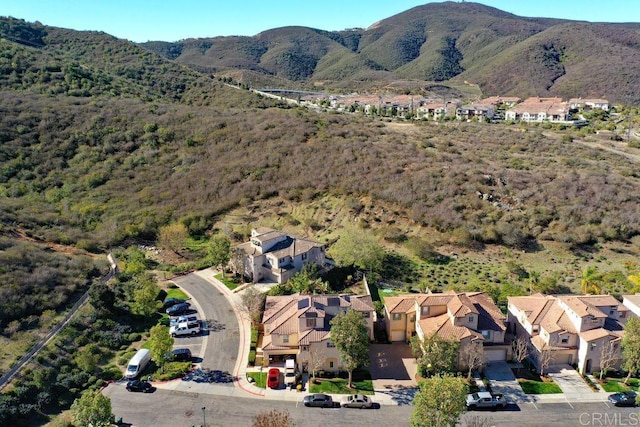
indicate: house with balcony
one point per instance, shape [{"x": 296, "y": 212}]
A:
[
  {"x": 468, "y": 317},
  {"x": 589, "y": 104},
  {"x": 274, "y": 256},
  {"x": 570, "y": 329},
  {"x": 299, "y": 327}
]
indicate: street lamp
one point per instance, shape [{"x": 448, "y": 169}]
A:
[{"x": 204, "y": 419}]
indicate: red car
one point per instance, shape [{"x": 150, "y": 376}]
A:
[{"x": 273, "y": 378}]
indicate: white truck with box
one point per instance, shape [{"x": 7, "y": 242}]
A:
[{"x": 137, "y": 363}]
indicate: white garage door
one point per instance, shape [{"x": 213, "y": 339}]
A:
[
  {"x": 495, "y": 354},
  {"x": 397, "y": 336}
]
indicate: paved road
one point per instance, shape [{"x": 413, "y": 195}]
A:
[
  {"x": 172, "y": 408},
  {"x": 222, "y": 337}
]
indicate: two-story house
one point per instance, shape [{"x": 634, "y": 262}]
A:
[
  {"x": 539, "y": 110},
  {"x": 466, "y": 317},
  {"x": 571, "y": 329},
  {"x": 275, "y": 256},
  {"x": 299, "y": 327}
]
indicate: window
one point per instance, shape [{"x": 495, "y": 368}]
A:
[
  {"x": 365, "y": 314},
  {"x": 535, "y": 328},
  {"x": 425, "y": 310},
  {"x": 623, "y": 314},
  {"x": 593, "y": 346},
  {"x": 397, "y": 316},
  {"x": 331, "y": 364},
  {"x": 285, "y": 339},
  {"x": 305, "y": 348},
  {"x": 304, "y": 256},
  {"x": 486, "y": 334},
  {"x": 564, "y": 340},
  {"x": 412, "y": 318},
  {"x": 330, "y": 344},
  {"x": 470, "y": 318},
  {"x": 311, "y": 323}
]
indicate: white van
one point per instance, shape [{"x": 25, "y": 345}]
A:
[{"x": 137, "y": 363}]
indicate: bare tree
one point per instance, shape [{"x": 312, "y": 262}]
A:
[
  {"x": 253, "y": 301},
  {"x": 545, "y": 359},
  {"x": 608, "y": 357},
  {"x": 273, "y": 418},
  {"x": 478, "y": 421},
  {"x": 237, "y": 261},
  {"x": 473, "y": 357},
  {"x": 315, "y": 360},
  {"x": 520, "y": 349}
]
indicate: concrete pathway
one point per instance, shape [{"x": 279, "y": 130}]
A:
[{"x": 573, "y": 386}]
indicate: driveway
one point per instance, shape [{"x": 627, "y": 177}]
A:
[
  {"x": 393, "y": 371},
  {"x": 503, "y": 381},
  {"x": 571, "y": 383}
]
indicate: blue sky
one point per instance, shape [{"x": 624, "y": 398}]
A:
[{"x": 144, "y": 20}]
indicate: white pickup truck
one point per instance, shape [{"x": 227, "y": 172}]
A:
[
  {"x": 185, "y": 328},
  {"x": 484, "y": 399}
]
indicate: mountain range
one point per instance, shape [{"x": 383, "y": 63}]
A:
[{"x": 458, "y": 44}]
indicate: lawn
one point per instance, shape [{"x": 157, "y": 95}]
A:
[
  {"x": 539, "y": 387},
  {"x": 259, "y": 377},
  {"x": 532, "y": 383},
  {"x": 339, "y": 386},
  {"x": 176, "y": 293},
  {"x": 617, "y": 384},
  {"x": 229, "y": 283}
]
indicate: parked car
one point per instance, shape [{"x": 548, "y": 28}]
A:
[
  {"x": 178, "y": 309},
  {"x": 357, "y": 401},
  {"x": 139, "y": 385},
  {"x": 185, "y": 328},
  {"x": 484, "y": 399},
  {"x": 182, "y": 319},
  {"x": 319, "y": 400},
  {"x": 170, "y": 302},
  {"x": 273, "y": 378},
  {"x": 181, "y": 354},
  {"x": 624, "y": 398}
]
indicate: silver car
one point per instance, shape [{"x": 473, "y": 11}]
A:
[{"x": 357, "y": 401}]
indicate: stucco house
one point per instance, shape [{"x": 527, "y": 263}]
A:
[
  {"x": 468, "y": 317},
  {"x": 589, "y": 104},
  {"x": 632, "y": 302},
  {"x": 275, "y": 256},
  {"x": 299, "y": 327},
  {"x": 539, "y": 110},
  {"x": 570, "y": 329}
]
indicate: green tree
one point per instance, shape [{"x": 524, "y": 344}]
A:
[
  {"x": 219, "y": 251},
  {"x": 173, "y": 237},
  {"x": 434, "y": 354},
  {"x": 358, "y": 248},
  {"x": 144, "y": 296},
  {"x": 439, "y": 402},
  {"x": 101, "y": 297},
  {"x": 88, "y": 357},
  {"x": 160, "y": 342},
  {"x": 631, "y": 347},
  {"x": 591, "y": 281},
  {"x": 308, "y": 281},
  {"x": 350, "y": 335},
  {"x": 92, "y": 409}
]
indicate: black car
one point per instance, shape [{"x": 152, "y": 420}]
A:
[
  {"x": 177, "y": 309},
  {"x": 170, "y": 302},
  {"x": 181, "y": 355},
  {"x": 319, "y": 400},
  {"x": 139, "y": 385},
  {"x": 624, "y": 398}
]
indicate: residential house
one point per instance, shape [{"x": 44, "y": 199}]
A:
[
  {"x": 632, "y": 302},
  {"x": 540, "y": 110},
  {"x": 437, "y": 111},
  {"x": 571, "y": 329},
  {"x": 275, "y": 256},
  {"x": 299, "y": 327},
  {"x": 480, "y": 112},
  {"x": 589, "y": 104},
  {"x": 470, "y": 317},
  {"x": 500, "y": 101}
]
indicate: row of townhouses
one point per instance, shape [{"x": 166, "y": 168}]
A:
[
  {"x": 534, "y": 109},
  {"x": 566, "y": 329}
]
